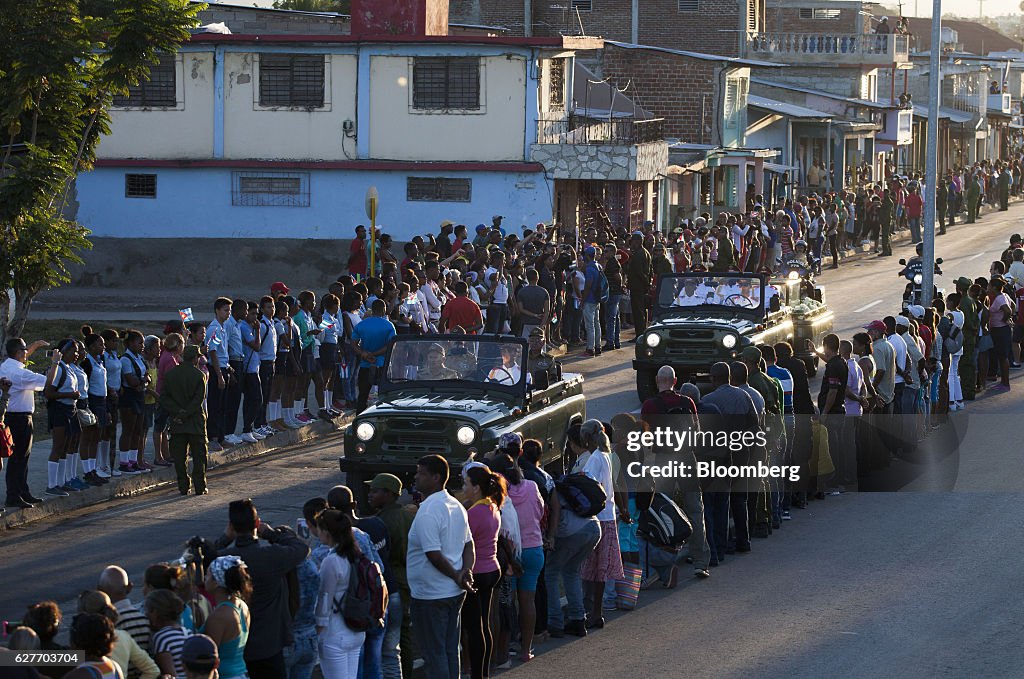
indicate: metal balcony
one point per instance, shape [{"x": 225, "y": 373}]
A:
[{"x": 835, "y": 49}]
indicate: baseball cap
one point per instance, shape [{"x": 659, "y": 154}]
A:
[
  {"x": 875, "y": 325},
  {"x": 903, "y": 321},
  {"x": 916, "y": 310},
  {"x": 386, "y": 482},
  {"x": 279, "y": 288},
  {"x": 200, "y": 653},
  {"x": 497, "y": 217},
  {"x": 481, "y": 227},
  {"x": 510, "y": 440},
  {"x": 963, "y": 282}
]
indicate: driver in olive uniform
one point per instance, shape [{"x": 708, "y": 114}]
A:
[
  {"x": 544, "y": 369},
  {"x": 435, "y": 369}
]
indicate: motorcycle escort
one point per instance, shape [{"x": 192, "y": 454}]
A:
[{"x": 913, "y": 272}]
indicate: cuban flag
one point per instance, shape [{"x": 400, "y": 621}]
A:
[
  {"x": 186, "y": 315},
  {"x": 214, "y": 341},
  {"x": 324, "y": 325}
]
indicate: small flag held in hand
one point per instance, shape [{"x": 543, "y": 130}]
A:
[
  {"x": 186, "y": 315},
  {"x": 324, "y": 325}
]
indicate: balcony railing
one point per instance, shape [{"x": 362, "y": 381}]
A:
[
  {"x": 1000, "y": 102},
  {"x": 865, "y": 48},
  {"x": 623, "y": 131}
]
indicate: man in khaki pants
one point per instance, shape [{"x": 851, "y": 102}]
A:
[{"x": 183, "y": 396}]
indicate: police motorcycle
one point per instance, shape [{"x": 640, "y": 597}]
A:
[
  {"x": 798, "y": 266},
  {"x": 913, "y": 272}
]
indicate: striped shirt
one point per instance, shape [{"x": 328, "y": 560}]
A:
[
  {"x": 132, "y": 621},
  {"x": 171, "y": 639},
  {"x": 785, "y": 378}
]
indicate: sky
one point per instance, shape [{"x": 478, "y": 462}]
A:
[{"x": 964, "y": 8}]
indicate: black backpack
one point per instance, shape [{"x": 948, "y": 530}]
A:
[
  {"x": 664, "y": 524},
  {"x": 584, "y": 496},
  {"x": 365, "y": 602}
]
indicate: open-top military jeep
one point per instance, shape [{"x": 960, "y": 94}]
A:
[
  {"x": 452, "y": 395},
  {"x": 702, "y": 318}
]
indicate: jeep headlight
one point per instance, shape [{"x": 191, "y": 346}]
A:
[
  {"x": 365, "y": 431},
  {"x": 465, "y": 434},
  {"x": 653, "y": 340},
  {"x": 729, "y": 341}
]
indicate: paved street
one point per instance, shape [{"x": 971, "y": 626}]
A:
[{"x": 909, "y": 584}]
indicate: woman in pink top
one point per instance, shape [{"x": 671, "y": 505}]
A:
[
  {"x": 485, "y": 492},
  {"x": 170, "y": 357},
  {"x": 529, "y": 504},
  {"x": 1000, "y": 324}
]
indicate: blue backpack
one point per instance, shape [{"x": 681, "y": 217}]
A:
[{"x": 584, "y": 496}]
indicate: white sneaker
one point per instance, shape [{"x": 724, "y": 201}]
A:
[
  {"x": 234, "y": 439},
  {"x": 257, "y": 434},
  {"x": 115, "y": 472},
  {"x": 265, "y": 431},
  {"x": 292, "y": 423},
  {"x": 102, "y": 473},
  {"x": 249, "y": 438}
]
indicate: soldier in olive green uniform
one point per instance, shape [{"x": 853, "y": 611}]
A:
[
  {"x": 973, "y": 198},
  {"x": 184, "y": 390},
  {"x": 888, "y": 210}
]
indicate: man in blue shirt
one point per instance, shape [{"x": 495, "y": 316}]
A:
[
  {"x": 780, "y": 505},
  {"x": 371, "y": 337},
  {"x": 236, "y": 351},
  {"x": 250, "y": 374},
  {"x": 592, "y": 301},
  {"x": 217, "y": 350},
  {"x": 268, "y": 354}
]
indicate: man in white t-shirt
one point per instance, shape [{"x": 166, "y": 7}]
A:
[
  {"x": 691, "y": 294},
  {"x": 439, "y": 564}
]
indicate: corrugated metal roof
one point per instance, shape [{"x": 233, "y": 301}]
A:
[
  {"x": 783, "y": 108},
  {"x": 828, "y": 95},
  {"x": 951, "y": 114}
]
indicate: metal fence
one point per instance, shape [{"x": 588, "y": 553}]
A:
[{"x": 573, "y": 130}]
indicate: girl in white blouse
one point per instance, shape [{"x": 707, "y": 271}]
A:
[{"x": 339, "y": 645}]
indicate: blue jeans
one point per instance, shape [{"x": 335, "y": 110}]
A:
[
  {"x": 661, "y": 560},
  {"x": 391, "y": 658},
  {"x": 370, "y": 656},
  {"x": 301, "y": 657},
  {"x": 611, "y": 312},
  {"x": 572, "y": 317},
  {"x": 915, "y": 229},
  {"x": 716, "y": 521},
  {"x": 435, "y": 626},
  {"x": 563, "y": 566},
  {"x": 908, "y": 417},
  {"x": 592, "y": 323}
]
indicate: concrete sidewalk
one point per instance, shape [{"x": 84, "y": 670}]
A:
[{"x": 125, "y": 486}]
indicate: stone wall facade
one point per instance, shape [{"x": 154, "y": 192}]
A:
[{"x": 609, "y": 162}]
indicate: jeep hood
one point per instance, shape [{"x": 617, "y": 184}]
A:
[
  {"x": 722, "y": 321},
  {"x": 475, "y": 406}
]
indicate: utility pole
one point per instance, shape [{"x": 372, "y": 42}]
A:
[{"x": 931, "y": 160}]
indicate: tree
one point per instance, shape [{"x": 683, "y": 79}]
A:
[
  {"x": 61, "y": 64},
  {"x": 337, "y": 6}
]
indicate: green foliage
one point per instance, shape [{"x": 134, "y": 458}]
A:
[{"x": 61, "y": 64}]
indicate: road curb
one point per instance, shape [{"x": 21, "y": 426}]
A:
[{"x": 128, "y": 486}]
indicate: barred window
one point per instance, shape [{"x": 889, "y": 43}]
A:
[
  {"x": 158, "y": 91},
  {"x": 583, "y": 5},
  {"x": 556, "y": 86},
  {"x": 439, "y": 189},
  {"x": 270, "y": 189},
  {"x": 294, "y": 80},
  {"x": 446, "y": 83},
  {"x": 140, "y": 186},
  {"x": 818, "y": 13},
  {"x": 688, "y": 5}
]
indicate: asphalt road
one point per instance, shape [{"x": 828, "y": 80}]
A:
[{"x": 871, "y": 584}]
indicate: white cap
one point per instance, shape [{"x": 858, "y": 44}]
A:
[
  {"x": 916, "y": 310},
  {"x": 903, "y": 321}
]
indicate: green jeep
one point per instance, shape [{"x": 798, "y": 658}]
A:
[
  {"x": 454, "y": 395},
  {"x": 702, "y": 318}
]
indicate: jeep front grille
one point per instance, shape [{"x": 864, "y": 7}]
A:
[
  {"x": 694, "y": 334},
  {"x": 416, "y": 436}
]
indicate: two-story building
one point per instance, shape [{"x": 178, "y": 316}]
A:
[{"x": 270, "y": 136}]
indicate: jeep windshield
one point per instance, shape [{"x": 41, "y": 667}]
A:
[
  {"x": 680, "y": 293},
  {"x": 468, "y": 362}
]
